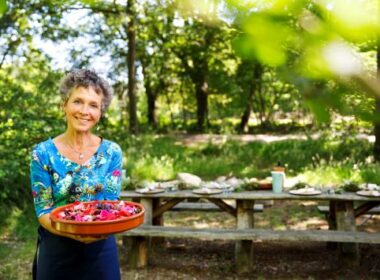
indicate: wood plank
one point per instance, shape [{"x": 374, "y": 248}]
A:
[
  {"x": 366, "y": 208},
  {"x": 244, "y": 248},
  {"x": 223, "y": 206},
  {"x": 205, "y": 206},
  {"x": 256, "y": 234},
  {"x": 345, "y": 221},
  {"x": 158, "y": 219},
  {"x": 369, "y": 207},
  {"x": 331, "y": 219},
  {"x": 252, "y": 195},
  {"x": 160, "y": 209},
  {"x": 139, "y": 253}
]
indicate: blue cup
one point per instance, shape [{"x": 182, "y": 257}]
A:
[{"x": 278, "y": 179}]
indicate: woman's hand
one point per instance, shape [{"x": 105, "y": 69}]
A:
[
  {"x": 46, "y": 223},
  {"x": 88, "y": 238}
]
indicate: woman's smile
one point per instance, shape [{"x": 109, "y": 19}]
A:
[{"x": 83, "y": 109}]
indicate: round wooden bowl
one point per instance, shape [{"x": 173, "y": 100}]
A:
[
  {"x": 97, "y": 227},
  {"x": 265, "y": 185}
]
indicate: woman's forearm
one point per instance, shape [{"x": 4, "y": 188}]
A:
[{"x": 45, "y": 222}]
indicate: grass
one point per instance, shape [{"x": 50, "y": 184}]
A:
[
  {"x": 326, "y": 160},
  {"x": 17, "y": 242},
  {"x": 161, "y": 158}
]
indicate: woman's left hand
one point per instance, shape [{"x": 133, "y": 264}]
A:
[{"x": 90, "y": 238}]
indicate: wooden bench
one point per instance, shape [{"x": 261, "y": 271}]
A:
[
  {"x": 325, "y": 209},
  {"x": 343, "y": 230},
  {"x": 255, "y": 234},
  {"x": 206, "y": 206}
]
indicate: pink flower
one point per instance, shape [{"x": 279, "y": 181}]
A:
[
  {"x": 87, "y": 218},
  {"x": 106, "y": 215},
  {"x": 127, "y": 211},
  {"x": 78, "y": 206},
  {"x": 34, "y": 193},
  {"x": 116, "y": 173},
  {"x": 61, "y": 215},
  {"x": 95, "y": 211},
  {"x": 78, "y": 218}
]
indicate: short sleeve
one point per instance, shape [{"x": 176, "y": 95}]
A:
[
  {"x": 41, "y": 182},
  {"x": 113, "y": 176}
]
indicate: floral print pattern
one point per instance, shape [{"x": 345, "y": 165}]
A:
[{"x": 56, "y": 180}]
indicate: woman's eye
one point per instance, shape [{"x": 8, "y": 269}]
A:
[
  {"x": 76, "y": 102},
  {"x": 94, "y": 106}
]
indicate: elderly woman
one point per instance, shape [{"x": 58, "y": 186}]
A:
[{"x": 76, "y": 166}]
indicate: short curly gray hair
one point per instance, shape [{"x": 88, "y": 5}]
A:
[{"x": 86, "y": 78}]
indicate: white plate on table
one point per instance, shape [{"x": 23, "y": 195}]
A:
[
  {"x": 207, "y": 191},
  {"x": 150, "y": 191},
  {"x": 368, "y": 193},
  {"x": 305, "y": 192}
]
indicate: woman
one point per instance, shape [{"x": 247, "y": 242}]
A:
[{"x": 76, "y": 166}]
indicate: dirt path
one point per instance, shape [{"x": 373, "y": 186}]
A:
[{"x": 196, "y": 139}]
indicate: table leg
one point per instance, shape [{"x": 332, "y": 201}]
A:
[
  {"x": 331, "y": 219},
  {"x": 244, "y": 248},
  {"x": 139, "y": 247},
  {"x": 345, "y": 221},
  {"x": 157, "y": 221}
]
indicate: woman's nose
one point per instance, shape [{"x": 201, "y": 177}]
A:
[{"x": 84, "y": 109}]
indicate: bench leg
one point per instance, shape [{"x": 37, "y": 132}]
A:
[
  {"x": 137, "y": 256},
  {"x": 244, "y": 248},
  {"x": 139, "y": 246},
  {"x": 345, "y": 221}
]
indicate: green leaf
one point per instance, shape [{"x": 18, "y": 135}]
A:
[
  {"x": 319, "y": 109},
  {"x": 3, "y": 6}
]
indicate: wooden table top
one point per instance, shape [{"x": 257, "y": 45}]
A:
[{"x": 251, "y": 195}]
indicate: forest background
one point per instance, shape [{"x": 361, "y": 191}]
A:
[
  {"x": 303, "y": 68},
  {"x": 205, "y": 66}
]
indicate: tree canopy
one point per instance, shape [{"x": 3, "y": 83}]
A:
[{"x": 221, "y": 66}]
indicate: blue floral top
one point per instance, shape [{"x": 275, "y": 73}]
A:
[{"x": 56, "y": 180}]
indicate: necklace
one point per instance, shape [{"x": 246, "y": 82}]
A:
[{"x": 81, "y": 154}]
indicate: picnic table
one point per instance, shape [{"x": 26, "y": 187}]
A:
[{"x": 342, "y": 224}]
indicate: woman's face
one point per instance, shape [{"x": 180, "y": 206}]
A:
[{"x": 83, "y": 109}]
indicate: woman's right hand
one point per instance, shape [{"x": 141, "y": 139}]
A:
[{"x": 45, "y": 222}]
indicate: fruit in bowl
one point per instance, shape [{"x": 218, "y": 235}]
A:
[{"x": 97, "y": 217}]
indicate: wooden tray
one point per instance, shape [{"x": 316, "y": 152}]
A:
[
  {"x": 97, "y": 227},
  {"x": 368, "y": 193},
  {"x": 207, "y": 192},
  {"x": 265, "y": 186},
  {"x": 301, "y": 192},
  {"x": 144, "y": 191}
]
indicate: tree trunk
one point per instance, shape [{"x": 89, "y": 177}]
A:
[
  {"x": 151, "y": 96},
  {"x": 254, "y": 89},
  {"x": 131, "y": 34},
  {"x": 201, "y": 92},
  {"x": 152, "y": 119},
  {"x": 245, "y": 118}
]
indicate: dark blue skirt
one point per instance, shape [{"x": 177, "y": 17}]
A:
[{"x": 64, "y": 258}]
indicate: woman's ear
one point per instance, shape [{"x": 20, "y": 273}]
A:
[
  {"x": 64, "y": 103},
  {"x": 63, "y": 107}
]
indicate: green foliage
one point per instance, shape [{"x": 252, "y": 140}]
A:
[
  {"x": 3, "y": 6},
  {"x": 304, "y": 38},
  {"x": 328, "y": 159},
  {"x": 28, "y": 114}
]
